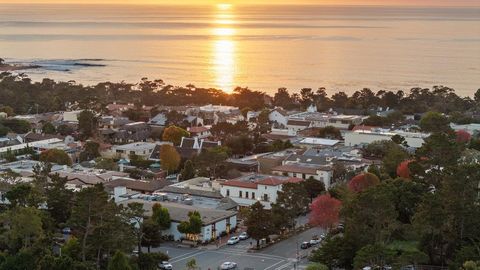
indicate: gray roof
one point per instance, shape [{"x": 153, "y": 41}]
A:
[
  {"x": 179, "y": 212},
  {"x": 315, "y": 160},
  {"x": 193, "y": 192}
]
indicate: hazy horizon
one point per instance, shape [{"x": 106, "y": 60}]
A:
[{"x": 423, "y": 3}]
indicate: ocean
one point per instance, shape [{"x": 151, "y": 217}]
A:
[{"x": 342, "y": 48}]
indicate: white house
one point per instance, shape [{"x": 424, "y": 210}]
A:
[
  {"x": 71, "y": 116},
  {"x": 141, "y": 149},
  {"x": 201, "y": 132},
  {"x": 246, "y": 192},
  {"x": 278, "y": 116},
  {"x": 294, "y": 126},
  {"x": 302, "y": 171},
  {"x": 359, "y": 137},
  {"x": 214, "y": 222}
]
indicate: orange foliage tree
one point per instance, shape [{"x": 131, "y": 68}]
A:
[
  {"x": 363, "y": 181},
  {"x": 325, "y": 211},
  {"x": 463, "y": 136}
]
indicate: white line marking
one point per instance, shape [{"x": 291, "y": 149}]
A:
[
  {"x": 184, "y": 258},
  {"x": 273, "y": 265}
]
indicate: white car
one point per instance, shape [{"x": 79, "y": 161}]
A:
[
  {"x": 244, "y": 236},
  {"x": 232, "y": 241},
  {"x": 315, "y": 242},
  {"x": 165, "y": 266},
  {"x": 228, "y": 265}
]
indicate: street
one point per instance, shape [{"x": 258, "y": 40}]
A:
[{"x": 279, "y": 256}]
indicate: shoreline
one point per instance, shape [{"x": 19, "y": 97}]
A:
[{"x": 8, "y": 67}]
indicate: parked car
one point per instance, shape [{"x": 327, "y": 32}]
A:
[
  {"x": 314, "y": 242},
  {"x": 244, "y": 236},
  {"x": 165, "y": 266},
  {"x": 305, "y": 245},
  {"x": 234, "y": 240},
  {"x": 228, "y": 265}
]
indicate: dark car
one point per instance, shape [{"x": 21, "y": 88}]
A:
[{"x": 305, "y": 245}]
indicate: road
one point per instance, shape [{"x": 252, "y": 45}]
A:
[{"x": 280, "y": 256}]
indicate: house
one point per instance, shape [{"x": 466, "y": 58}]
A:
[
  {"x": 119, "y": 109},
  {"x": 201, "y": 132},
  {"x": 190, "y": 147},
  {"x": 132, "y": 132},
  {"x": 217, "y": 215},
  {"x": 71, "y": 116},
  {"x": 321, "y": 120},
  {"x": 363, "y": 137},
  {"x": 141, "y": 149},
  {"x": 159, "y": 120},
  {"x": 315, "y": 142},
  {"x": 249, "y": 189},
  {"x": 279, "y": 116},
  {"x": 139, "y": 186},
  {"x": 305, "y": 171},
  {"x": 294, "y": 126}
]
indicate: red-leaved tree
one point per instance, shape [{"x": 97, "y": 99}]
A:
[
  {"x": 403, "y": 170},
  {"x": 363, "y": 181},
  {"x": 463, "y": 136},
  {"x": 325, "y": 211}
]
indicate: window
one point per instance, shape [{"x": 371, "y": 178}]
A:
[
  {"x": 304, "y": 176},
  {"x": 240, "y": 194},
  {"x": 265, "y": 197},
  {"x": 228, "y": 192},
  {"x": 294, "y": 174},
  {"x": 253, "y": 195},
  {"x": 132, "y": 152},
  {"x": 246, "y": 194}
]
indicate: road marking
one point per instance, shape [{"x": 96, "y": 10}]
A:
[
  {"x": 186, "y": 254},
  {"x": 273, "y": 265},
  {"x": 253, "y": 255},
  {"x": 283, "y": 266},
  {"x": 184, "y": 258}
]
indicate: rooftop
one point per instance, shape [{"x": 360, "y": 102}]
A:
[{"x": 179, "y": 212}]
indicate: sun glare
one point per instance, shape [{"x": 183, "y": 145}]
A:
[{"x": 224, "y": 6}]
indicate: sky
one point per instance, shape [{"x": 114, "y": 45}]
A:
[{"x": 211, "y": 2}]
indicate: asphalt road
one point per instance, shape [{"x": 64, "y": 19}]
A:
[{"x": 280, "y": 256}]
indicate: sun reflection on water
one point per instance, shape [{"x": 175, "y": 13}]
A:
[{"x": 223, "y": 48}]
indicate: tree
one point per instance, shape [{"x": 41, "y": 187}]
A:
[
  {"x": 48, "y": 128},
  {"x": 188, "y": 171},
  {"x": 169, "y": 158},
  {"x": 316, "y": 266},
  {"x": 99, "y": 224},
  {"x": 106, "y": 164},
  {"x": 292, "y": 201},
  {"x": 119, "y": 262},
  {"x": 174, "y": 134},
  {"x": 330, "y": 132},
  {"x": 434, "y": 122},
  {"x": 259, "y": 222},
  {"x": 87, "y": 123},
  {"x": 22, "y": 194},
  {"x": 463, "y": 136},
  {"x": 59, "y": 199},
  {"x": 191, "y": 264},
  {"x": 392, "y": 159},
  {"x": 65, "y": 130},
  {"x": 211, "y": 159},
  {"x": 150, "y": 261},
  {"x": 245, "y": 111},
  {"x": 25, "y": 228},
  {"x": 363, "y": 181},
  {"x": 373, "y": 255},
  {"x": 151, "y": 235},
  {"x": 282, "y": 98},
  {"x": 240, "y": 145},
  {"x": 57, "y": 156},
  {"x": 90, "y": 151},
  {"x": 325, "y": 211},
  {"x": 192, "y": 227},
  {"x": 161, "y": 216},
  {"x": 313, "y": 187}
]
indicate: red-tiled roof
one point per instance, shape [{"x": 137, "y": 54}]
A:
[
  {"x": 294, "y": 180},
  {"x": 242, "y": 184},
  {"x": 197, "y": 129},
  {"x": 270, "y": 181}
]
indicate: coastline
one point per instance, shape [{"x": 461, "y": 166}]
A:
[{"x": 8, "y": 67}]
